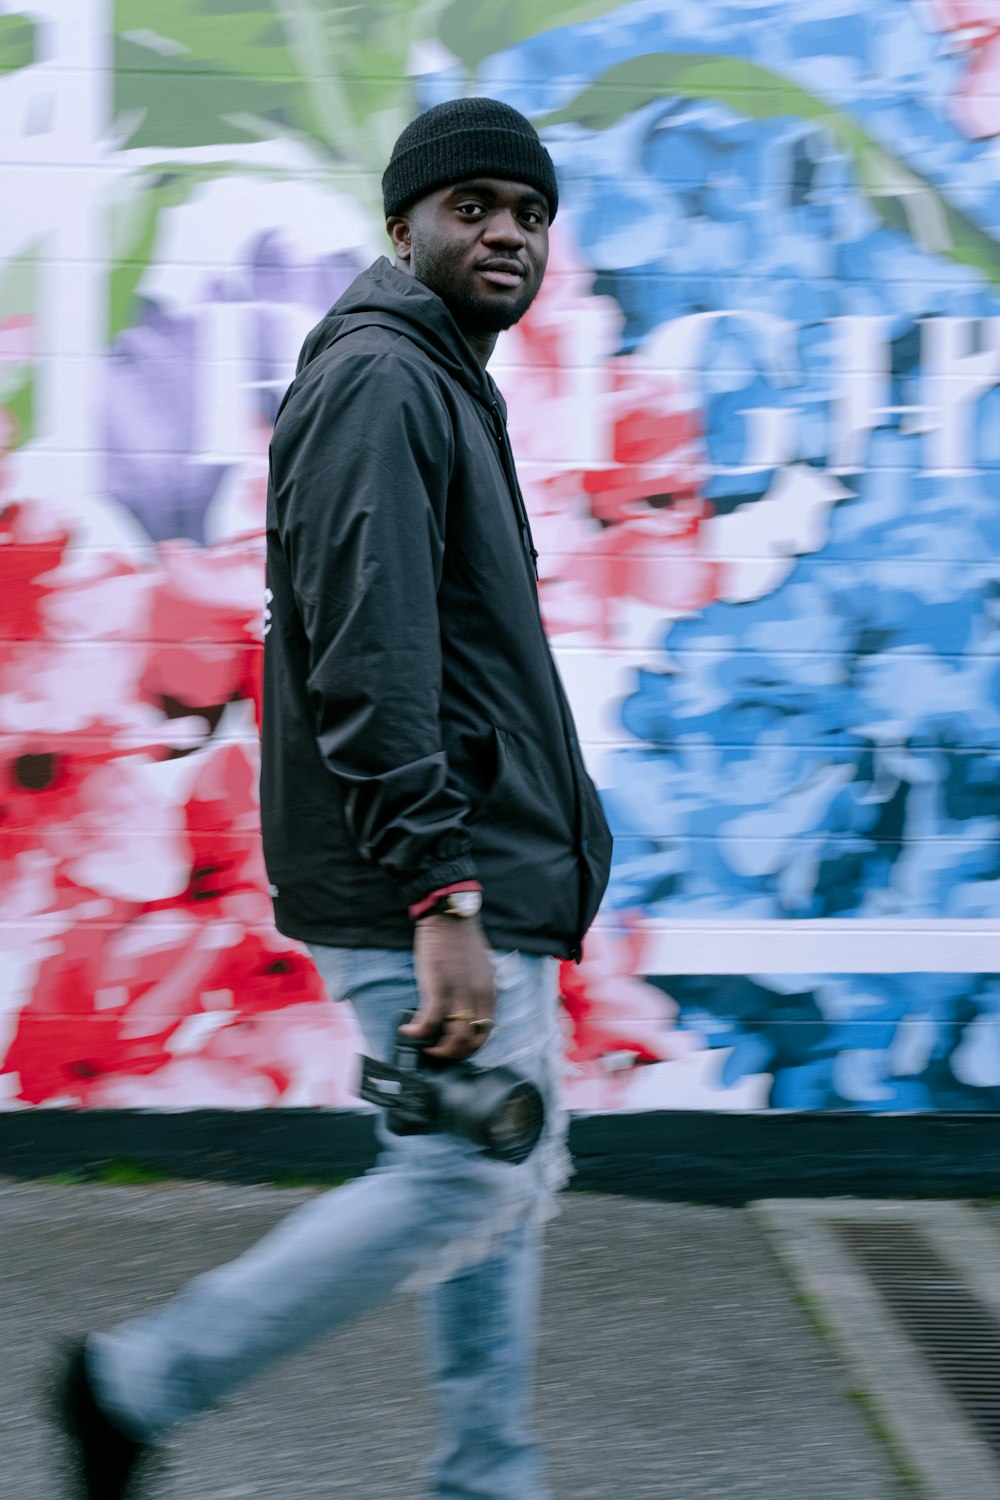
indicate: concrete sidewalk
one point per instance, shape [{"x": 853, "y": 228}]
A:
[{"x": 676, "y": 1366}]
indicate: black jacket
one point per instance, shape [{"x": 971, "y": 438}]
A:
[{"x": 415, "y": 728}]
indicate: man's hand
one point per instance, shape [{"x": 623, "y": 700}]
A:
[{"x": 455, "y": 978}]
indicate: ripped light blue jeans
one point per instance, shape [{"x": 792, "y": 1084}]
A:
[{"x": 433, "y": 1215}]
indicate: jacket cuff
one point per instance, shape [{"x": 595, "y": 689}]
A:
[
  {"x": 422, "y": 908},
  {"x": 436, "y": 877}
]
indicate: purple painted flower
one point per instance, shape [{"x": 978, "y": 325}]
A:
[
  {"x": 276, "y": 278},
  {"x": 155, "y": 383},
  {"x": 152, "y": 467}
]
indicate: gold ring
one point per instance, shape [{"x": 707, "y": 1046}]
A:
[
  {"x": 481, "y": 1026},
  {"x": 467, "y": 1016}
]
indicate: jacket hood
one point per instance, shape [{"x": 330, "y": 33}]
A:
[{"x": 384, "y": 297}]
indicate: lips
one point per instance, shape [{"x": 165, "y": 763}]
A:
[{"x": 502, "y": 273}]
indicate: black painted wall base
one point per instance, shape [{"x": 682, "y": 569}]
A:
[{"x": 687, "y": 1155}]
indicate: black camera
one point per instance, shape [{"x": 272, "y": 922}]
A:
[{"x": 502, "y": 1112}]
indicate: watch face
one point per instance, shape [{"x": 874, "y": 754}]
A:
[{"x": 465, "y": 903}]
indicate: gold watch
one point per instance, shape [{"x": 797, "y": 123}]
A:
[{"x": 463, "y": 904}]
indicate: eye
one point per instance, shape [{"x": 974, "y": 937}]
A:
[
  {"x": 469, "y": 210},
  {"x": 532, "y": 217}
]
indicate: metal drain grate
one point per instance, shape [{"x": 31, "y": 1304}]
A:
[{"x": 958, "y": 1337}]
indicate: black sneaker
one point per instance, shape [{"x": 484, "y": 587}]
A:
[{"x": 105, "y": 1463}]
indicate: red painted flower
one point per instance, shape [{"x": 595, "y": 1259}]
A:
[
  {"x": 613, "y": 1011},
  {"x": 110, "y": 1004},
  {"x": 129, "y": 834},
  {"x": 619, "y": 1027},
  {"x": 31, "y": 549},
  {"x": 613, "y": 462},
  {"x": 205, "y": 627},
  {"x": 973, "y": 30}
]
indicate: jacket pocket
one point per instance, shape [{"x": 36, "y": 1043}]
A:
[
  {"x": 596, "y": 845},
  {"x": 478, "y": 769}
]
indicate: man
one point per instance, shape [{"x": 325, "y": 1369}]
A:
[{"x": 429, "y": 828}]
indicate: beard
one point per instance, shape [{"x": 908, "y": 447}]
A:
[{"x": 474, "y": 312}]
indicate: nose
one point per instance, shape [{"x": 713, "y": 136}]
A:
[{"x": 502, "y": 228}]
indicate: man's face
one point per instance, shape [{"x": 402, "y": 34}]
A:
[{"x": 482, "y": 245}]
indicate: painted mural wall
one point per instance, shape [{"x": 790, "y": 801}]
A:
[{"x": 757, "y": 414}]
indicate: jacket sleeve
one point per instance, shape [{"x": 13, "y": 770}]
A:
[{"x": 360, "y": 468}]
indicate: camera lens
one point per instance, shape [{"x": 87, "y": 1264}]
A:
[
  {"x": 495, "y": 1107},
  {"x": 512, "y": 1131}
]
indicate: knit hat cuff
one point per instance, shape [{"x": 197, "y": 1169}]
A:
[{"x": 485, "y": 148}]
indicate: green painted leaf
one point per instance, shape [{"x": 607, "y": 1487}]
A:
[
  {"x": 185, "y": 68},
  {"x": 20, "y": 404},
  {"x": 135, "y": 227},
  {"x": 242, "y": 38},
  {"x": 18, "y": 42},
  {"x": 752, "y": 90},
  {"x": 215, "y": 72},
  {"x": 477, "y": 29},
  {"x": 19, "y": 286},
  {"x": 369, "y": 47},
  {"x": 902, "y": 198},
  {"x": 18, "y": 314}
]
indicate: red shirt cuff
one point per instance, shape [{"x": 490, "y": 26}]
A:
[{"x": 420, "y": 908}]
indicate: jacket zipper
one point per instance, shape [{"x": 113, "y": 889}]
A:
[{"x": 510, "y": 474}]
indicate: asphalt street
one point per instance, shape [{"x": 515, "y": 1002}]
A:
[{"x": 676, "y": 1363}]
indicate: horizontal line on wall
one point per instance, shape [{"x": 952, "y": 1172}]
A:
[
  {"x": 656, "y": 659},
  {"x": 249, "y": 305},
  {"x": 626, "y": 276},
  {"x": 696, "y": 945},
  {"x": 668, "y": 839},
  {"x": 247, "y": 546},
  {"x": 146, "y": 554},
  {"x": 545, "y": 47},
  {"x": 786, "y": 380},
  {"x": 650, "y": 469},
  {"x": 252, "y": 155},
  {"x": 742, "y": 647},
  {"x": 156, "y": 1023},
  {"x": 270, "y": 158},
  {"x": 259, "y": 157},
  {"x": 691, "y": 743},
  {"x": 820, "y": 559},
  {"x": 131, "y": 744},
  {"x": 745, "y": 753},
  {"x": 673, "y": 839},
  {"x": 249, "y": 161},
  {"x": 124, "y": 643},
  {"x": 742, "y": 99},
  {"x": 824, "y": 946},
  {"x": 499, "y": 366}
]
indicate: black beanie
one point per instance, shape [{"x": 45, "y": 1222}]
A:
[{"x": 466, "y": 138}]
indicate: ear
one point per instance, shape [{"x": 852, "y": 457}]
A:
[{"x": 398, "y": 230}]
